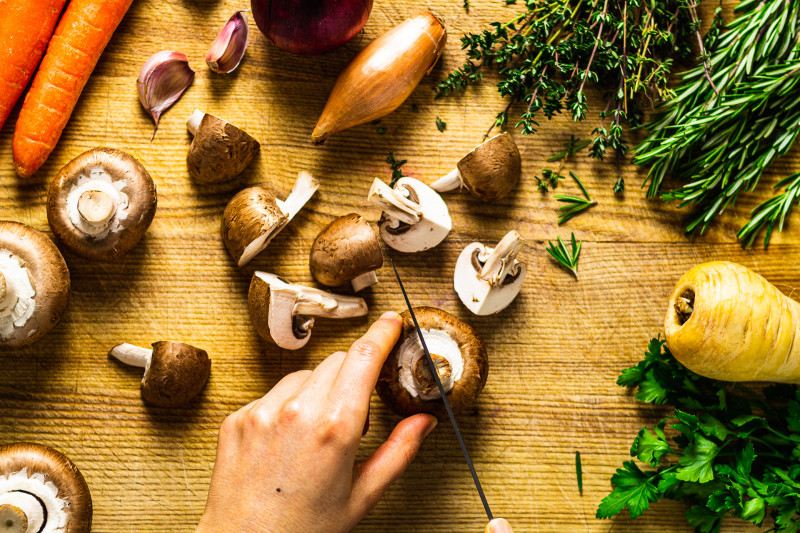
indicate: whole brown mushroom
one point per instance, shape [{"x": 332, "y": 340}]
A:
[
  {"x": 174, "y": 372},
  {"x": 41, "y": 490},
  {"x": 34, "y": 285},
  {"x": 220, "y": 151},
  {"x": 101, "y": 204},
  {"x": 406, "y": 383},
  {"x": 347, "y": 250}
]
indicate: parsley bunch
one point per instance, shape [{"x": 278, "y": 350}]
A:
[{"x": 728, "y": 450}]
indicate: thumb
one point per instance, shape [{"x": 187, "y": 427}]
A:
[
  {"x": 390, "y": 460},
  {"x": 498, "y": 525}
]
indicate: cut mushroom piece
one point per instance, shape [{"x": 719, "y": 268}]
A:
[
  {"x": 489, "y": 172},
  {"x": 347, "y": 250},
  {"x": 101, "y": 204},
  {"x": 406, "y": 383},
  {"x": 254, "y": 217},
  {"x": 283, "y": 313},
  {"x": 41, "y": 490},
  {"x": 174, "y": 372},
  {"x": 220, "y": 151},
  {"x": 415, "y": 218},
  {"x": 34, "y": 285},
  {"x": 488, "y": 279}
]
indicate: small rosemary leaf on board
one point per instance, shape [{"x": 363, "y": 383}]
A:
[
  {"x": 568, "y": 258},
  {"x": 441, "y": 124},
  {"x": 619, "y": 186},
  {"x": 579, "y": 471}
]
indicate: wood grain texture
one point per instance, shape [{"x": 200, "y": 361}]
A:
[{"x": 554, "y": 354}]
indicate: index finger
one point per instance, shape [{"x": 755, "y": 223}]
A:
[{"x": 362, "y": 364}]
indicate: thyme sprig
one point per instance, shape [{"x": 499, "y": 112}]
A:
[{"x": 566, "y": 257}]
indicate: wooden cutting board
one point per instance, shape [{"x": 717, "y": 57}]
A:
[{"x": 554, "y": 354}]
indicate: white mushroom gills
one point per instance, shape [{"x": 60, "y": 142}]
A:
[
  {"x": 367, "y": 279},
  {"x": 96, "y": 204},
  {"x": 439, "y": 343},
  {"x": 32, "y": 499},
  {"x": 450, "y": 181},
  {"x": 17, "y": 294}
]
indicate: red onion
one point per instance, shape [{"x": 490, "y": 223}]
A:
[{"x": 310, "y": 27}]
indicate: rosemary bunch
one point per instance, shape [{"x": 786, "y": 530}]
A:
[
  {"x": 715, "y": 139},
  {"x": 551, "y": 52}
]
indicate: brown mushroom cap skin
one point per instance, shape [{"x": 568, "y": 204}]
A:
[
  {"x": 49, "y": 275},
  {"x": 345, "y": 249},
  {"x": 464, "y": 391},
  {"x": 178, "y": 372},
  {"x": 251, "y": 213},
  {"x": 220, "y": 151},
  {"x": 493, "y": 169},
  {"x": 139, "y": 188},
  {"x": 58, "y": 469}
]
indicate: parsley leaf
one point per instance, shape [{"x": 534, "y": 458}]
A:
[{"x": 633, "y": 489}]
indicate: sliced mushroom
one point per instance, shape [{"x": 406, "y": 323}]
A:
[
  {"x": 488, "y": 279},
  {"x": 220, "y": 151},
  {"x": 174, "y": 372},
  {"x": 489, "y": 172},
  {"x": 283, "y": 313},
  {"x": 101, "y": 204},
  {"x": 34, "y": 285},
  {"x": 42, "y": 491},
  {"x": 406, "y": 383},
  {"x": 347, "y": 250},
  {"x": 254, "y": 217},
  {"x": 415, "y": 218}
]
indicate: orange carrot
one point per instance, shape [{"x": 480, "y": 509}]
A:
[
  {"x": 25, "y": 29},
  {"x": 79, "y": 40}
]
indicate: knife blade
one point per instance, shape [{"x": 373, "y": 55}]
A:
[{"x": 444, "y": 397}]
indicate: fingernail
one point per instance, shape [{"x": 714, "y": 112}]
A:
[
  {"x": 499, "y": 525},
  {"x": 431, "y": 425},
  {"x": 390, "y": 315}
]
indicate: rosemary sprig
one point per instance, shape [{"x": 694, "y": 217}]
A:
[
  {"x": 773, "y": 210},
  {"x": 579, "y": 471},
  {"x": 574, "y": 205},
  {"x": 568, "y": 258}
]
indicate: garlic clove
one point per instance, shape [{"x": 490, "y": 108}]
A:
[
  {"x": 227, "y": 50},
  {"x": 162, "y": 81}
]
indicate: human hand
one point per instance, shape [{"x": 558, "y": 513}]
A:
[
  {"x": 286, "y": 462},
  {"x": 498, "y": 525}
]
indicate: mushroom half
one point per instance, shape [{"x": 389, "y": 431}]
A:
[
  {"x": 220, "y": 151},
  {"x": 101, "y": 204},
  {"x": 347, "y": 250},
  {"x": 488, "y": 279},
  {"x": 34, "y": 285},
  {"x": 406, "y": 383},
  {"x": 283, "y": 313},
  {"x": 174, "y": 372},
  {"x": 415, "y": 218},
  {"x": 489, "y": 172},
  {"x": 254, "y": 217},
  {"x": 41, "y": 490}
]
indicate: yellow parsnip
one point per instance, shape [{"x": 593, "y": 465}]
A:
[{"x": 726, "y": 322}]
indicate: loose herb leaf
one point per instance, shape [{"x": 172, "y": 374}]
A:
[
  {"x": 566, "y": 257},
  {"x": 579, "y": 471},
  {"x": 619, "y": 186},
  {"x": 574, "y": 205},
  {"x": 395, "y": 164},
  {"x": 381, "y": 131},
  {"x": 572, "y": 146},
  {"x": 441, "y": 124}
]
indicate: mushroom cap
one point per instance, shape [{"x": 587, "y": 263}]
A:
[
  {"x": 478, "y": 295},
  {"x": 345, "y": 249},
  {"x": 48, "y": 274},
  {"x": 252, "y": 215},
  {"x": 273, "y": 318},
  {"x": 465, "y": 390},
  {"x": 432, "y": 228},
  {"x": 177, "y": 373},
  {"x": 140, "y": 210},
  {"x": 492, "y": 169},
  {"x": 220, "y": 151},
  {"x": 42, "y": 467}
]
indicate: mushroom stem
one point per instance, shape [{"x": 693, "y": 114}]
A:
[
  {"x": 3, "y": 289},
  {"x": 394, "y": 203},
  {"x": 20, "y": 512},
  {"x": 194, "y": 121},
  {"x": 304, "y": 188},
  {"x": 449, "y": 182},
  {"x": 314, "y": 302},
  {"x": 500, "y": 262},
  {"x": 132, "y": 355},
  {"x": 365, "y": 280},
  {"x": 96, "y": 207}
]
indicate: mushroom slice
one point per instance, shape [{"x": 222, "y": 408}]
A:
[
  {"x": 101, "y": 204},
  {"x": 34, "y": 285},
  {"x": 42, "y": 491},
  {"x": 415, "y": 218},
  {"x": 488, "y": 279},
  {"x": 283, "y": 313},
  {"x": 489, "y": 172},
  {"x": 254, "y": 217},
  {"x": 174, "y": 372},
  {"x": 406, "y": 383},
  {"x": 347, "y": 250},
  {"x": 220, "y": 151}
]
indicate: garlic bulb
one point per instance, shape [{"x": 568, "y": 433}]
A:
[
  {"x": 227, "y": 50},
  {"x": 162, "y": 81}
]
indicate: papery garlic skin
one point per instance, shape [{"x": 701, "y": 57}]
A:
[
  {"x": 227, "y": 50},
  {"x": 162, "y": 81}
]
